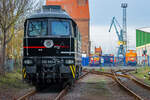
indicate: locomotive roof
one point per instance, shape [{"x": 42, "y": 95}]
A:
[{"x": 50, "y": 14}]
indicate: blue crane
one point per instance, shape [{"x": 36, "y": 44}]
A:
[{"x": 121, "y": 43}]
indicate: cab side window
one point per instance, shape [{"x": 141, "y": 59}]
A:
[
  {"x": 79, "y": 36},
  {"x": 76, "y": 32}
]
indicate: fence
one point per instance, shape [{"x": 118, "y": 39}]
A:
[
  {"x": 9, "y": 65},
  {"x": 143, "y": 60},
  {"x": 13, "y": 64},
  {"x": 114, "y": 61},
  {"x": 85, "y": 61}
]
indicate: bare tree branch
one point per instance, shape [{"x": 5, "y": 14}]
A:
[
  {"x": 9, "y": 39},
  {"x": 11, "y": 11}
]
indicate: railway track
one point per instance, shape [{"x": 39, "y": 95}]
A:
[
  {"x": 62, "y": 93},
  {"x": 57, "y": 96},
  {"x": 133, "y": 86},
  {"x": 126, "y": 88},
  {"x": 137, "y": 87},
  {"x": 27, "y": 95}
]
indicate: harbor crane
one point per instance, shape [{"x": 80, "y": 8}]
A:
[
  {"x": 121, "y": 42},
  {"x": 122, "y": 34}
]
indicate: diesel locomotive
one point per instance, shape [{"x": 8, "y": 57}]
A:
[
  {"x": 131, "y": 57},
  {"x": 51, "y": 48}
]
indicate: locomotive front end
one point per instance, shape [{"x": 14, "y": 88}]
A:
[{"x": 51, "y": 48}]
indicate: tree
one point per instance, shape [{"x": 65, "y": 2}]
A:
[{"x": 11, "y": 11}]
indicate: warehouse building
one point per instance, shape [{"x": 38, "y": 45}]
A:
[
  {"x": 79, "y": 11},
  {"x": 143, "y": 44}
]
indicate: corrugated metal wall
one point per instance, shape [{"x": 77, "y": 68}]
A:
[
  {"x": 142, "y": 43},
  {"x": 142, "y": 38}
]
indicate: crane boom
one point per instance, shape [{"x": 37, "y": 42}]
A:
[
  {"x": 114, "y": 23},
  {"x": 119, "y": 35}
]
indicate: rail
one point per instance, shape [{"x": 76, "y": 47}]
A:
[
  {"x": 112, "y": 74},
  {"x": 27, "y": 95},
  {"x": 64, "y": 91},
  {"x": 115, "y": 77},
  {"x": 126, "y": 88}
]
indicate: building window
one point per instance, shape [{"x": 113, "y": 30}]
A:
[{"x": 82, "y": 2}]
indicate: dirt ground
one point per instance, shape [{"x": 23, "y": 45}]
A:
[
  {"x": 12, "y": 86},
  {"x": 13, "y": 93},
  {"x": 91, "y": 87},
  {"x": 96, "y": 87}
]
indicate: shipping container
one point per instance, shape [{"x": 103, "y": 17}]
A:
[
  {"x": 109, "y": 59},
  {"x": 85, "y": 61},
  {"x": 94, "y": 61}
]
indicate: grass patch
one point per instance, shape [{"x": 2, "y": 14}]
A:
[
  {"x": 102, "y": 69},
  {"x": 142, "y": 73},
  {"x": 12, "y": 80}
]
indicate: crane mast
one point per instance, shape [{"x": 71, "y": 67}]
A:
[{"x": 124, "y": 6}]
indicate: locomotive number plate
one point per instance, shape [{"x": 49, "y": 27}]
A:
[{"x": 48, "y": 61}]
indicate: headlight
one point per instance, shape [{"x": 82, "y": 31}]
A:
[
  {"x": 28, "y": 61},
  {"x": 69, "y": 61}
]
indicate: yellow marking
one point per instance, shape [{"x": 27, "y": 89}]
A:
[
  {"x": 25, "y": 75},
  {"x": 121, "y": 43},
  {"x": 74, "y": 68},
  {"x": 23, "y": 70},
  {"x": 72, "y": 71}
]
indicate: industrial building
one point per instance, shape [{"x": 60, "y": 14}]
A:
[
  {"x": 143, "y": 44},
  {"x": 79, "y": 11},
  {"x": 143, "y": 41}
]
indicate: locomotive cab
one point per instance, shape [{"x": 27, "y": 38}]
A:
[{"x": 52, "y": 47}]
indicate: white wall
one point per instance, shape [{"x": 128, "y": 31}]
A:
[{"x": 139, "y": 51}]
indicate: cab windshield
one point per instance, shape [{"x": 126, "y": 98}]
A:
[
  {"x": 37, "y": 28},
  {"x": 60, "y": 28},
  {"x": 54, "y": 28}
]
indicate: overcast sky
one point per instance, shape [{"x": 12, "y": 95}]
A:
[{"x": 101, "y": 13}]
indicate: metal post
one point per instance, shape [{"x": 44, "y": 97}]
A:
[
  {"x": 148, "y": 60},
  {"x": 113, "y": 61},
  {"x": 124, "y": 61},
  {"x": 124, "y": 6}
]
